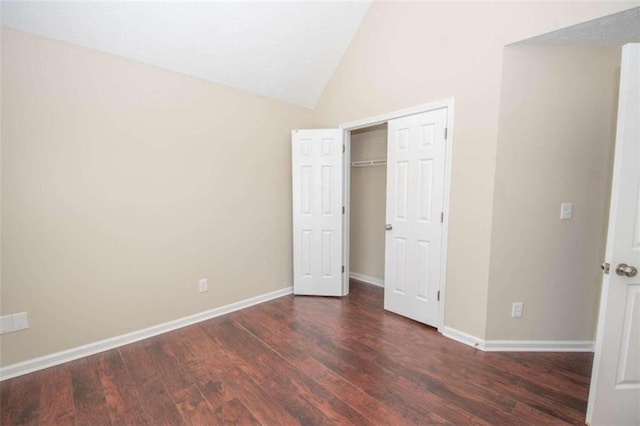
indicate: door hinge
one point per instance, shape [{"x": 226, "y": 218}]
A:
[
  {"x": 438, "y": 295},
  {"x": 343, "y": 209},
  {"x": 343, "y": 149},
  {"x": 446, "y": 132},
  {"x": 343, "y": 269},
  {"x": 441, "y": 217}
]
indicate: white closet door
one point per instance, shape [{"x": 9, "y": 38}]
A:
[
  {"x": 317, "y": 212},
  {"x": 415, "y": 197}
]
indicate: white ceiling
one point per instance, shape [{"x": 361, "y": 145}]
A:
[
  {"x": 283, "y": 50},
  {"x": 611, "y": 30}
]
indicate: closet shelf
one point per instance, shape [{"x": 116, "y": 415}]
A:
[{"x": 369, "y": 163}]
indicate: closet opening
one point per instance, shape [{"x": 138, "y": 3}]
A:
[{"x": 367, "y": 202}]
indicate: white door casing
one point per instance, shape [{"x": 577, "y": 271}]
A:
[
  {"x": 317, "y": 211},
  {"x": 415, "y": 199},
  {"x": 614, "y": 396}
]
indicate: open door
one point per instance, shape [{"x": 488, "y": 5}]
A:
[
  {"x": 317, "y": 212},
  {"x": 614, "y": 397},
  {"x": 416, "y": 156}
]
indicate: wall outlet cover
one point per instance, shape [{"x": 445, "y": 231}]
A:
[
  {"x": 566, "y": 211},
  {"x": 516, "y": 310},
  {"x": 20, "y": 321},
  {"x": 6, "y": 324},
  {"x": 203, "y": 285},
  {"x": 14, "y": 322}
]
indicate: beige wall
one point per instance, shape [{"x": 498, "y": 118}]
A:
[
  {"x": 411, "y": 53},
  {"x": 123, "y": 184},
  {"x": 368, "y": 203},
  {"x": 555, "y": 144}
]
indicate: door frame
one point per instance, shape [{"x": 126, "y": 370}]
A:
[{"x": 346, "y": 182}]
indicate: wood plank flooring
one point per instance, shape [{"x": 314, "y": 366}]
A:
[{"x": 304, "y": 360}]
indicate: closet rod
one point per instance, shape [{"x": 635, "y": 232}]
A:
[{"x": 369, "y": 163}]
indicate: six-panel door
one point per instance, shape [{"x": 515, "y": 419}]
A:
[
  {"x": 317, "y": 212},
  {"x": 415, "y": 197}
]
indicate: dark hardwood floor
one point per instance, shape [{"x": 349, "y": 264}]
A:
[{"x": 304, "y": 360}]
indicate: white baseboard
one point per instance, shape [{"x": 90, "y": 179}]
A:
[
  {"x": 366, "y": 279},
  {"x": 57, "y": 358},
  {"x": 518, "y": 345},
  {"x": 462, "y": 337},
  {"x": 539, "y": 346}
]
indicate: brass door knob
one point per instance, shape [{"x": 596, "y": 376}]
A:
[{"x": 625, "y": 270}]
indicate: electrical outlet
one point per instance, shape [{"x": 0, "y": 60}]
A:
[
  {"x": 566, "y": 211},
  {"x": 203, "y": 285},
  {"x": 516, "y": 310}
]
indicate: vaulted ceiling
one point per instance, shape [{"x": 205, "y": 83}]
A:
[
  {"x": 283, "y": 50},
  {"x": 286, "y": 50}
]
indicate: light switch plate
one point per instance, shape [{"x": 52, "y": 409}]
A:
[{"x": 566, "y": 211}]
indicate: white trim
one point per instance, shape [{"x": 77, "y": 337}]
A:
[
  {"x": 57, "y": 358},
  {"x": 538, "y": 346},
  {"x": 346, "y": 202},
  {"x": 366, "y": 279},
  {"x": 383, "y": 118},
  {"x": 448, "y": 159},
  {"x": 462, "y": 337},
  {"x": 518, "y": 345},
  {"x": 447, "y": 103}
]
